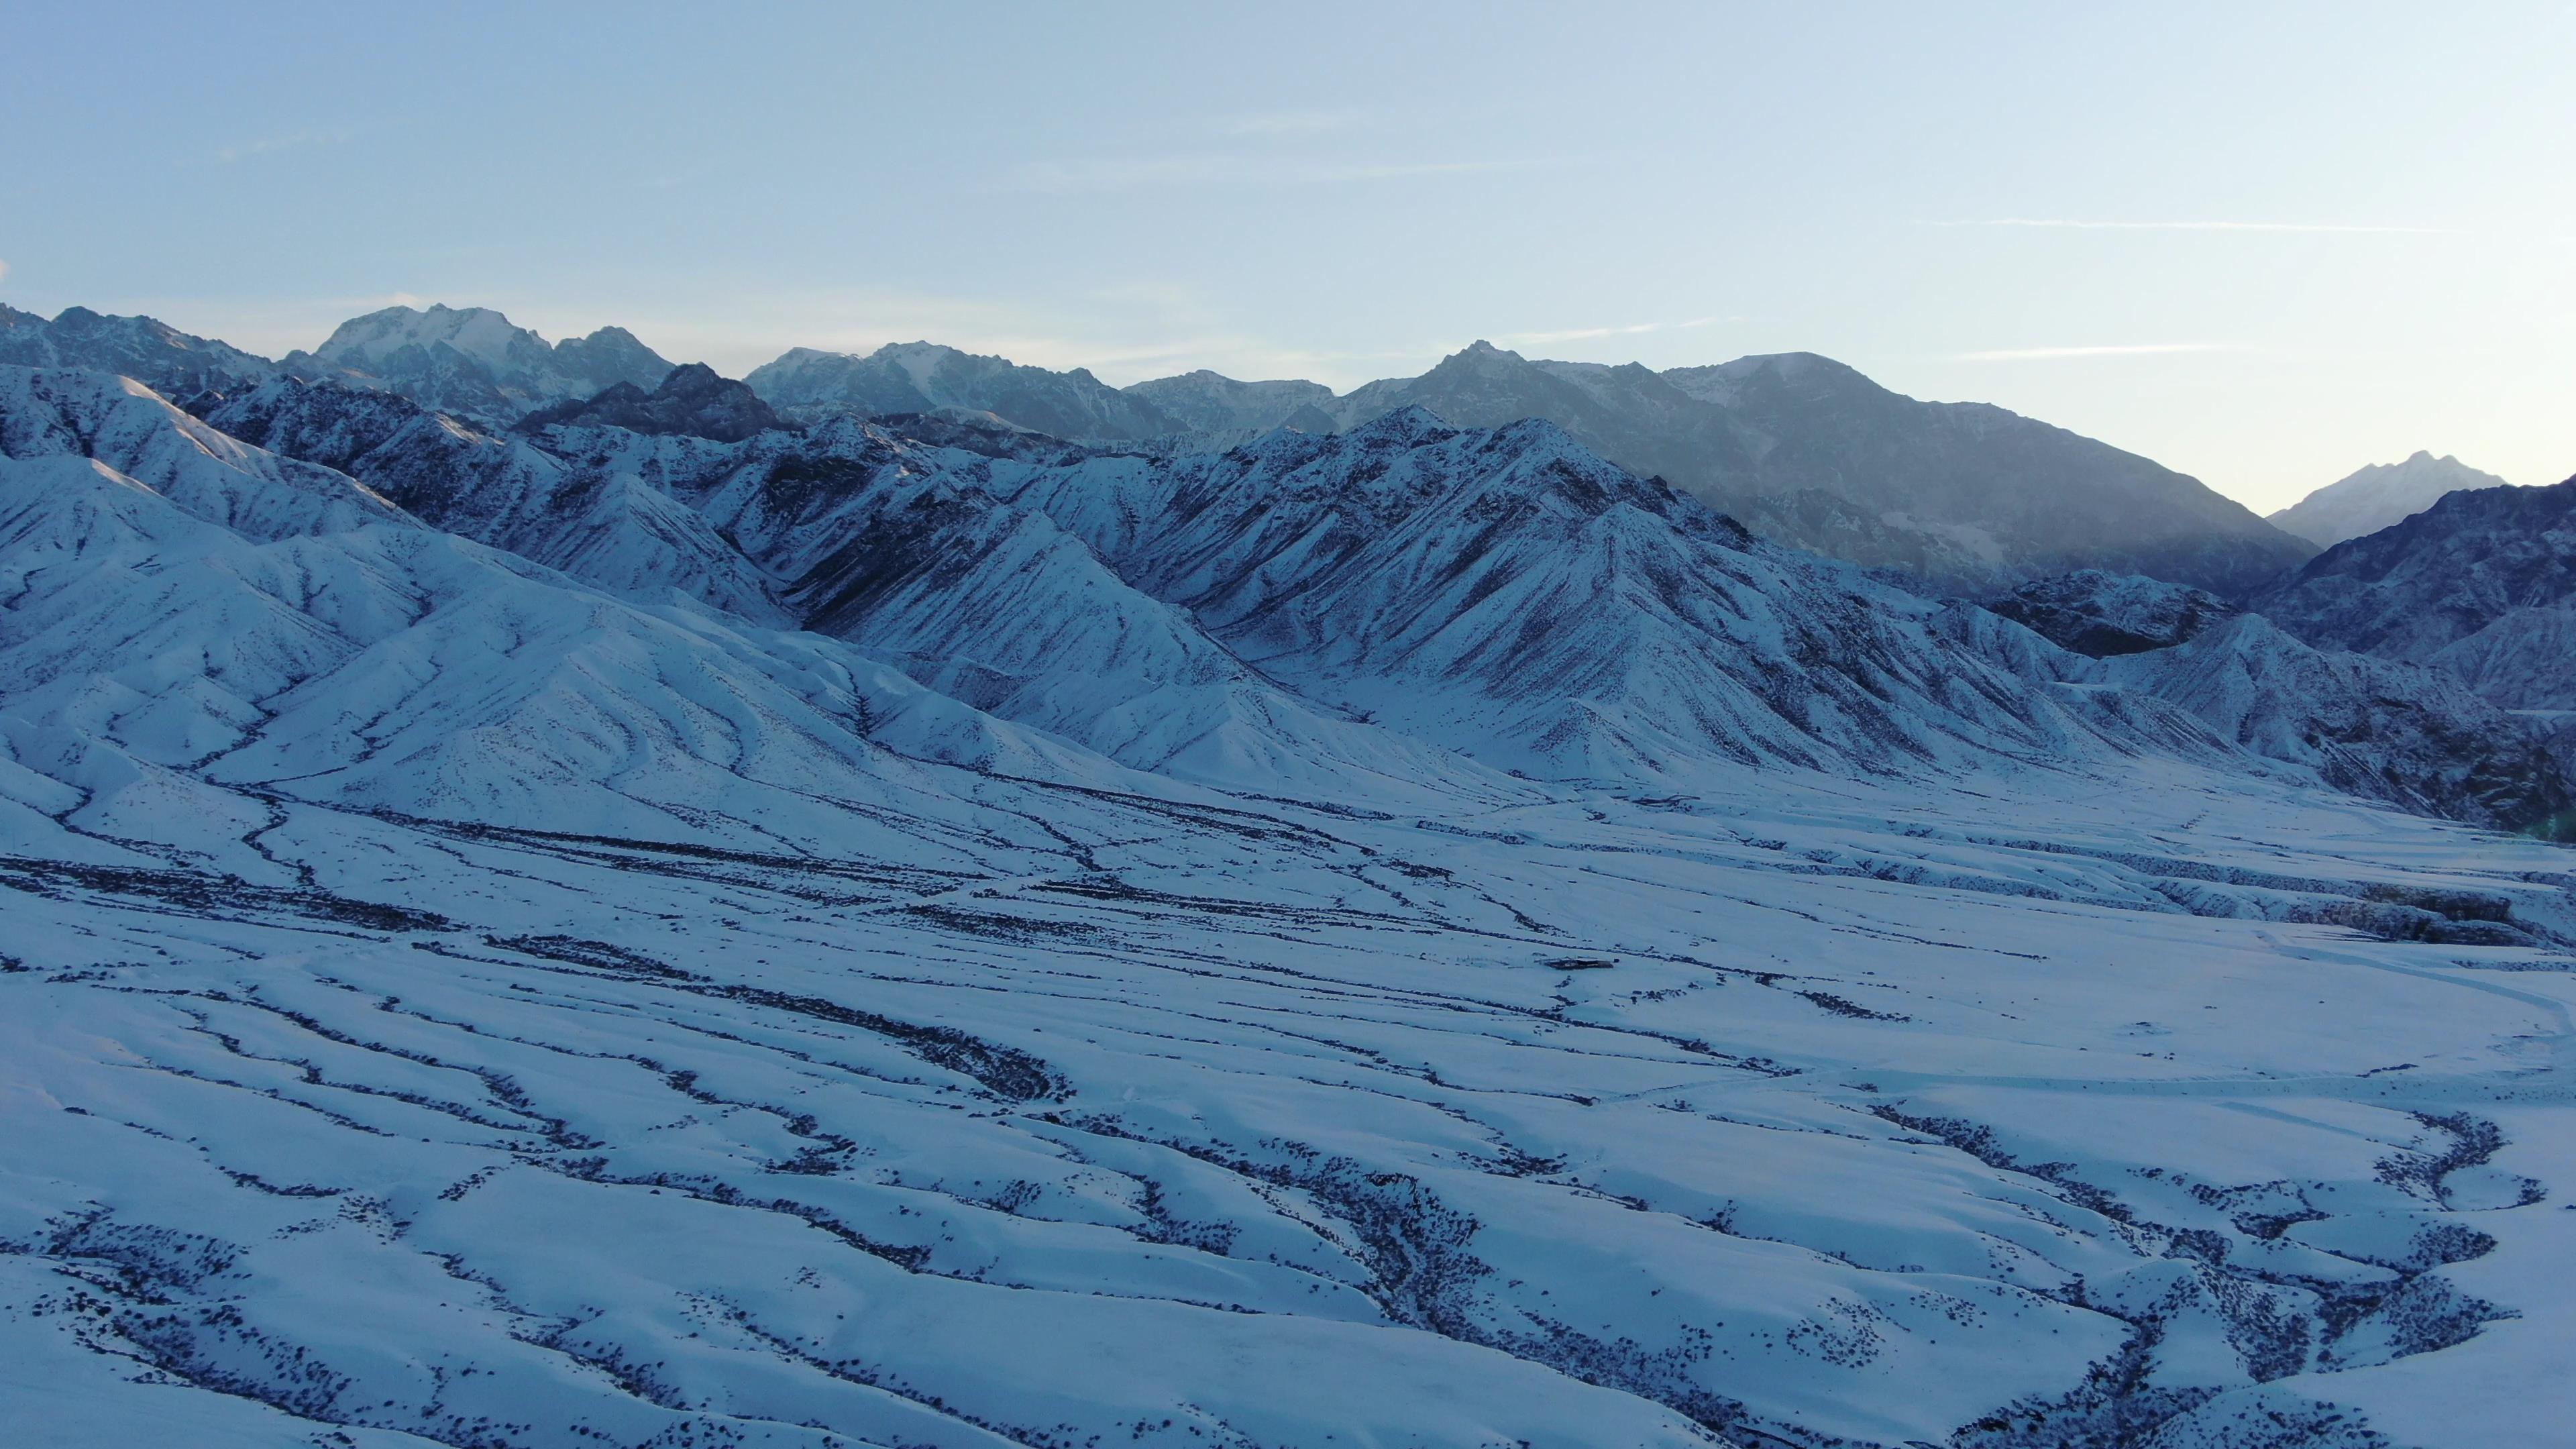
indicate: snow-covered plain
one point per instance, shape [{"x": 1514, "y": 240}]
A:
[{"x": 446, "y": 1001}]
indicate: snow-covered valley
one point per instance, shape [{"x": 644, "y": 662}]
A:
[{"x": 1167, "y": 953}]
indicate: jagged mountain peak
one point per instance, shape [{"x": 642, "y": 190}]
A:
[
  {"x": 2375, "y": 496},
  {"x": 474, "y": 362}
]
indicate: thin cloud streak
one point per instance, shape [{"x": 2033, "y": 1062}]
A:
[
  {"x": 268, "y": 145},
  {"x": 2127, "y": 349},
  {"x": 1069, "y": 178},
  {"x": 2075, "y": 224},
  {"x": 1293, "y": 123},
  {"x": 1586, "y": 334}
]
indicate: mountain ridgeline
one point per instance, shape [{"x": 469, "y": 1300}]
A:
[{"x": 1956, "y": 498}]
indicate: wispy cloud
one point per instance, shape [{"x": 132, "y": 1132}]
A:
[
  {"x": 1292, "y": 123},
  {"x": 2122, "y": 349},
  {"x": 268, "y": 144},
  {"x": 2076, "y": 224},
  {"x": 1585, "y": 334},
  {"x": 1134, "y": 173},
  {"x": 4, "y": 270}
]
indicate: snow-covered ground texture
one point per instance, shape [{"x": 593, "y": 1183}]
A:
[{"x": 446, "y": 999}]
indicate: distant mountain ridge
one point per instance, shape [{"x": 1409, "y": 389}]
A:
[
  {"x": 2371, "y": 498},
  {"x": 1803, "y": 449},
  {"x": 1965, "y": 498},
  {"x": 923, "y": 377}
]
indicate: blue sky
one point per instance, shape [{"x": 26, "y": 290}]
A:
[{"x": 2263, "y": 244}]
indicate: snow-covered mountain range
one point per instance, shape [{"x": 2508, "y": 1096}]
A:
[
  {"x": 1963, "y": 497},
  {"x": 2482, "y": 585},
  {"x": 2373, "y": 497},
  {"x": 626, "y": 923},
  {"x": 1802, "y": 448}
]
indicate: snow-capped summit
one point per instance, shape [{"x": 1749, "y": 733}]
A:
[
  {"x": 2371, "y": 498},
  {"x": 472, "y": 361},
  {"x": 154, "y": 353},
  {"x": 925, "y": 377}
]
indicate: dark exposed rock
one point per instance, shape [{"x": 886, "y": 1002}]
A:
[
  {"x": 2101, "y": 614},
  {"x": 691, "y": 400}
]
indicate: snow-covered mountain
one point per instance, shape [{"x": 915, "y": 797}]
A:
[
  {"x": 2377, "y": 495},
  {"x": 158, "y": 355},
  {"x": 471, "y": 979},
  {"x": 2481, "y": 584},
  {"x": 924, "y": 377},
  {"x": 473, "y": 363}
]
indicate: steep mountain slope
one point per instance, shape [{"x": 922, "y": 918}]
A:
[
  {"x": 243, "y": 620},
  {"x": 2048, "y": 500},
  {"x": 921, "y": 377},
  {"x": 2373, "y": 497},
  {"x": 2481, "y": 584},
  {"x": 1508, "y": 593},
  {"x": 472, "y": 362},
  {"x": 904, "y": 550},
  {"x": 2377, "y": 728},
  {"x": 158, "y": 355},
  {"x": 142, "y": 439},
  {"x": 606, "y": 529}
]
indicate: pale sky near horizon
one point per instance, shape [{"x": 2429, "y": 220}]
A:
[{"x": 2264, "y": 244}]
